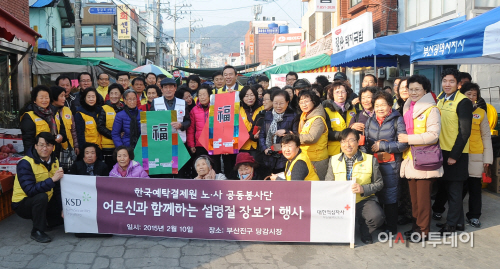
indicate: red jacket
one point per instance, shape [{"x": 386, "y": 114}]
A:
[
  {"x": 199, "y": 116},
  {"x": 145, "y": 107}
]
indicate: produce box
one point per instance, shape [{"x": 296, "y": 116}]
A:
[
  {"x": 6, "y": 181},
  {"x": 2, "y": 133},
  {"x": 9, "y": 164},
  {"x": 15, "y": 138}
]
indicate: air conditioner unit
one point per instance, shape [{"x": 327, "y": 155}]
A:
[
  {"x": 392, "y": 72},
  {"x": 381, "y": 73}
]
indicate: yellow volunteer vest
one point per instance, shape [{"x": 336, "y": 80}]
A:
[
  {"x": 110, "y": 115},
  {"x": 361, "y": 170},
  {"x": 419, "y": 127},
  {"x": 103, "y": 91},
  {"x": 41, "y": 173},
  {"x": 318, "y": 151},
  {"x": 449, "y": 121},
  {"x": 476, "y": 142},
  {"x": 144, "y": 99},
  {"x": 91, "y": 133},
  {"x": 338, "y": 124},
  {"x": 311, "y": 176},
  {"x": 41, "y": 124},
  {"x": 249, "y": 144},
  {"x": 223, "y": 89},
  {"x": 492, "y": 115},
  {"x": 67, "y": 118}
]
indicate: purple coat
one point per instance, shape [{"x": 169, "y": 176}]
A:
[{"x": 134, "y": 170}]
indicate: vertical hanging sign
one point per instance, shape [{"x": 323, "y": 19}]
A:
[{"x": 123, "y": 21}]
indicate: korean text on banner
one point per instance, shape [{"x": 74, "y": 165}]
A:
[
  {"x": 326, "y": 5},
  {"x": 353, "y": 32},
  {"x": 296, "y": 211},
  {"x": 123, "y": 21}
]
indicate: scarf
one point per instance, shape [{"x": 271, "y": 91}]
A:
[
  {"x": 48, "y": 115},
  {"x": 117, "y": 107},
  {"x": 380, "y": 120},
  {"x": 369, "y": 113},
  {"x": 122, "y": 172},
  {"x": 270, "y": 137},
  {"x": 210, "y": 175},
  {"x": 408, "y": 117},
  {"x": 341, "y": 105},
  {"x": 90, "y": 169},
  {"x": 134, "y": 128}
]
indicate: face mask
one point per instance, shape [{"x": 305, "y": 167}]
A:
[{"x": 244, "y": 176}]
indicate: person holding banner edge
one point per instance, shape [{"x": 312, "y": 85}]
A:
[{"x": 363, "y": 170}]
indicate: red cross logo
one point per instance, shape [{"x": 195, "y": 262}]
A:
[{"x": 347, "y": 207}]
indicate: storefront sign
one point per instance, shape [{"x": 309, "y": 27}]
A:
[
  {"x": 286, "y": 211},
  {"x": 326, "y": 5},
  {"x": 123, "y": 20},
  {"x": 251, "y": 45},
  {"x": 353, "y": 32},
  {"x": 266, "y": 30},
  {"x": 286, "y": 39}
]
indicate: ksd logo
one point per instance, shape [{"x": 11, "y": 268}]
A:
[{"x": 73, "y": 202}]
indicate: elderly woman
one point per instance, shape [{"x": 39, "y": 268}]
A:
[
  {"x": 267, "y": 105},
  {"x": 339, "y": 113},
  {"x": 423, "y": 124},
  {"x": 382, "y": 132},
  {"x": 127, "y": 122},
  {"x": 86, "y": 117},
  {"x": 246, "y": 168},
  {"x": 204, "y": 168},
  {"x": 277, "y": 123},
  {"x": 39, "y": 117},
  {"x": 125, "y": 165},
  {"x": 298, "y": 165},
  {"x": 89, "y": 164},
  {"x": 106, "y": 119},
  {"x": 358, "y": 122},
  {"x": 313, "y": 131},
  {"x": 249, "y": 108},
  {"x": 480, "y": 154}
]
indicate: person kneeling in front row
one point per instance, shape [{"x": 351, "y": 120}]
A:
[
  {"x": 36, "y": 175},
  {"x": 352, "y": 164}
]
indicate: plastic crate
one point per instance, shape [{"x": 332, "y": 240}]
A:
[{"x": 5, "y": 205}]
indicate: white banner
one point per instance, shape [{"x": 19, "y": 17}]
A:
[
  {"x": 353, "y": 32},
  {"x": 279, "y": 80},
  {"x": 79, "y": 198}
]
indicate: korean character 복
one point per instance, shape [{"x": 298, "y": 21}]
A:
[
  {"x": 204, "y": 195},
  {"x": 245, "y": 211},
  {"x": 157, "y": 192},
  {"x": 285, "y": 211},
  {"x": 256, "y": 211},
  {"x": 142, "y": 207},
  {"x": 249, "y": 195},
  {"x": 220, "y": 211},
  {"x": 299, "y": 213},
  {"x": 165, "y": 193},
  {"x": 184, "y": 193},
  {"x": 138, "y": 192},
  {"x": 147, "y": 192},
  {"x": 192, "y": 194},
  {"x": 217, "y": 194},
  {"x": 119, "y": 207},
  {"x": 208, "y": 211},
  {"x": 108, "y": 205},
  {"x": 230, "y": 211},
  {"x": 180, "y": 208},
  {"x": 174, "y": 193},
  {"x": 191, "y": 209},
  {"x": 268, "y": 210}
]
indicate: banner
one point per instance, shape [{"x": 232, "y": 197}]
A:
[
  {"x": 279, "y": 80},
  {"x": 224, "y": 131},
  {"x": 353, "y": 32},
  {"x": 286, "y": 211},
  {"x": 123, "y": 22},
  {"x": 160, "y": 150}
]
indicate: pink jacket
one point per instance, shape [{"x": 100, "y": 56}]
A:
[
  {"x": 199, "y": 116},
  {"x": 134, "y": 170}
]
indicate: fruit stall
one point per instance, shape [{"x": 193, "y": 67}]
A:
[{"x": 11, "y": 148}]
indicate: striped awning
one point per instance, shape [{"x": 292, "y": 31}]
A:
[{"x": 324, "y": 69}]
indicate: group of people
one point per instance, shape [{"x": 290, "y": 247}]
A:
[{"x": 392, "y": 145}]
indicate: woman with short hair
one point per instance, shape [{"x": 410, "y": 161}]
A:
[
  {"x": 86, "y": 117},
  {"x": 125, "y": 165},
  {"x": 204, "y": 168},
  {"x": 127, "y": 122},
  {"x": 89, "y": 163}
]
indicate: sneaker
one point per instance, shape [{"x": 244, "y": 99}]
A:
[
  {"x": 474, "y": 222},
  {"x": 436, "y": 216}
]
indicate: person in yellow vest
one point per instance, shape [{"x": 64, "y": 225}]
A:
[
  {"x": 218, "y": 80},
  {"x": 298, "y": 165},
  {"x": 249, "y": 108},
  {"x": 229, "y": 73},
  {"x": 339, "y": 113},
  {"x": 37, "y": 116},
  {"x": 423, "y": 125},
  {"x": 86, "y": 118},
  {"x": 480, "y": 154},
  {"x": 70, "y": 147},
  {"x": 363, "y": 168},
  {"x": 313, "y": 131},
  {"x": 37, "y": 173},
  {"x": 106, "y": 118},
  {"x": 139, "y": 85},
  {"x": 358, "y": 122},
  {"x": 456, "y": 124},
  {"x": 103, "y": 82}
]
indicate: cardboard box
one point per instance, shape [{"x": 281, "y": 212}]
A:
[
  {"x": 494, "y": 186},
  {"x": 9, "y": 164},
  {"x": 2, "y": 133},
  {"x": 14, "y": 137}
]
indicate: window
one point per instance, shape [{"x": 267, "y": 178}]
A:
[
  {"x": 68, "y": 36},
  {"x": 421, "y": 11},
  {"x": 87, "y": 35},
  {"x": 355, "y": 2},
  {"x": 103, "y": 35},
  {"x": 327, "y": 22},
  {"x": 312, "y": 28},
  {"x": 487, "y": 3},
  {"x": 143, "y": 49},
  {"x": 54, "y": 39}
]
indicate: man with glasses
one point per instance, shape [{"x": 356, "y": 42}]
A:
[
  {"x": 123, "y": 78},
  {"x": 291, "y": 77},
  {"x": 84, "y": 81},
  {"x": 36, "y": 176},
  {"x": 218, "y": 80},
  {"x": 361, "y": 168},
  {"x": 229, "y": 74},
  {"x": 103, "y": 81},
  {"x": 65, "y": 82}
]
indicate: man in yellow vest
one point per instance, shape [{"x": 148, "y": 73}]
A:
[
  {"x": 362, "y": 169},
  {"x": 230, "y": 75},
  {"x": 456, "y": 123},
  {"x": 103, "y": 82},
  {"x": 218, "y": 80},
  {"x": 32, "y": 197}
]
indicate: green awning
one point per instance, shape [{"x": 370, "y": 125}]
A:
[
  {"x": 297, "y": 66},
  {"x": 114, "y": 62},
  {"x": 208, "y": 72},
  {"x": 67, "y": 60}
]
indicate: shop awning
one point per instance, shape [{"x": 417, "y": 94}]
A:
[
  {"x": 297, "y": 66},
  {"x": 116, "y": 63},
  {"x": 11, "y": 27},
  {"x": 398, "y": 44},
  {"x": 47, "y": 64},
  {"x": 208, "y": 72},
  {"x": 476, "y": 41}
]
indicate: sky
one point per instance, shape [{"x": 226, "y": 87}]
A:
[{"x": 222, "y": 12}]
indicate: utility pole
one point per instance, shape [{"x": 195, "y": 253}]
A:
[
  {"x": 189, "y": 48},
  {"x": 201, "y": 49},
  {"x": 158, "y": 33},
  {"x": 176, "y": 17},
  {"x": 78, "y": 29}
]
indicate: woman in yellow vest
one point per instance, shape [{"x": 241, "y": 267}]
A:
[
  {"x": 298, "y": 165},
  {"x": 358, "y": 122},
  {"x": 106, "y": 118},
  {"x": 313, "y": 131},
  {"x": 86, "y": 118},
  {"x": 249, "y": 108},
  {"x": 70, "y": 147},
  {"x": 39, "y": 117},
  {"x": 339, "y": 113},
  {"x": 423, "y": 125},
  {"x": 480, "y": 154}
]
